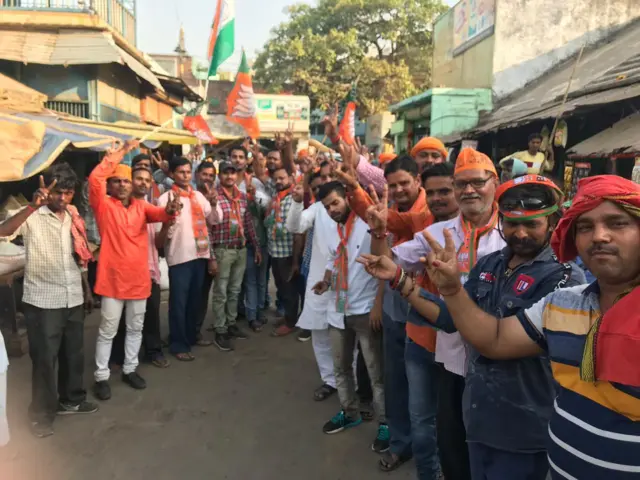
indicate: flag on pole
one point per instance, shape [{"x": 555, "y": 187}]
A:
[
  {"x": 347, "y": 128},
  {"x": 222, "y": 39},
  {"x": 197, "y": 125},
  {"x": 241, "y": 103}
]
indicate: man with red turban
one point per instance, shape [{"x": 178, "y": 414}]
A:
[{"x": 591, "y": 333}]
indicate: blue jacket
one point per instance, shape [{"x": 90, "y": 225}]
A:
[{"x": 507, "y": 404}]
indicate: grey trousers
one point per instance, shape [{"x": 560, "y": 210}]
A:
[{"x": 343, "y": 343}]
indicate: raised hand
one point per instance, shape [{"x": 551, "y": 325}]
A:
[
  {"x": 442, "y": 264},
  {"x": 346, "y": 178},
  {"x": 330, "y": 122},
  {"x": 211, "y": 194},
  {"x": 378, "y": 212},
  {"x": 380, "y": 267},
  {"x": 174, "y": 205},
  {"x": 288, "y": 133},
  {"x": 298, "y": 193},
  {"x": 41, "y": 196},
  {"x": 279, "y": 140}
]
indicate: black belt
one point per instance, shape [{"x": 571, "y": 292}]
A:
[{"x": 230, "y": 247}]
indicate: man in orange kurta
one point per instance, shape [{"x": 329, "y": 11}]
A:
[{"x": 123, "y": 271}]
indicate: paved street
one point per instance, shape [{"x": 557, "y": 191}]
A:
[{"x": 248, "y": 415}]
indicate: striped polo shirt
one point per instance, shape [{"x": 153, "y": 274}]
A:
[{"x": 594, "y": 432}]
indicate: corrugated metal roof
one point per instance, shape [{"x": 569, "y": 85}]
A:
[
  {"x": 596, "y": 69},
  {"x": 620, "y": 137},
  {"x": 69, "y": 47}
]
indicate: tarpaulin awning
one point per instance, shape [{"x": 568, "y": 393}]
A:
[
  {"x": 47, "y": 135},
  {"x": 173, "y": 136},
  {"x": 621, "y": 137}
]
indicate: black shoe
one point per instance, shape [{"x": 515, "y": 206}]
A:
[
  {"x": 381, "y": 443},
  {"x": 134, "y": 380},
  {"x": 223, "y": 342},
  {"x": 235, "y": 332},
  {"x": 102, "y": 390},
  {"x": 70, "y": 409},
  {"x": 41, "y": 429},
  {"x": 304, "y": 336}
]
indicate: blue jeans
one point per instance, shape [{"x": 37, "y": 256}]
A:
[
  {"x": 422, "y": 376},
  {"x": 185, "y": 295},
  {"x": 255, "y": 285},
  {"x": 493, "y": 464},
  {"x": 396, "y": 388}
]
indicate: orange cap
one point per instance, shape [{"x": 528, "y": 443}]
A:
[
  {"x": 122, "y": 171},
  {"x": 386, "y": 157},
  {"x": 430, "y": 143},
  {"x": 303, "y": 154},
  {"x": 470, "y": 159}
]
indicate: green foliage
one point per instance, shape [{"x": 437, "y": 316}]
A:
[{"x": 383, "y": 45}]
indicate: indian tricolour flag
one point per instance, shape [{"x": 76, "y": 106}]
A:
[{"x": 222, "y": 40}]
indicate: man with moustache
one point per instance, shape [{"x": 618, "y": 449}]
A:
[
  {"x": 319, "y": 226},
  {"x": 348, "y": 311},
  {"x": 280, "y": 246},
  {"x": 142, "y": 180},
  {"x": 507, "y": 404},
  {"x": 474, "y": 182},
  {"x": 229, "y": 240},
  {"x": 123, "y": 279}
]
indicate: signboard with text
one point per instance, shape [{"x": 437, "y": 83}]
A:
[
  {"x": 473, "y": 20},
  {"x": 276, "y": 111}
]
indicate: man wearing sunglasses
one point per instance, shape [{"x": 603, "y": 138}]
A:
[{"x": 507, "y": 404}]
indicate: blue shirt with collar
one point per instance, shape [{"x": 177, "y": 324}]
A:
[{"x": 507, "y": 404}]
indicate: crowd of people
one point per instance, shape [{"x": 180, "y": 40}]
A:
[{"x": 442, "y": 299}]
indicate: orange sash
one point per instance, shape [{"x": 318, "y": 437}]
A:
[
  {"x": 341, "y": 264},
  {"x": 468, "y": 251},
  {"x": 236, "y": 211},
  {"x": 277, "y": 211},
  {"x": 198, "y": 221}
]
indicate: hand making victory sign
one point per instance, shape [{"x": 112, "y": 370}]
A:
[
  {"x": 211, "y": 194},
  {"x": 378, "y": 212},
  {"x": 442, "y": 264},
  {"x": 41, "y": 196},
  {"x": 174, "y": 205}
]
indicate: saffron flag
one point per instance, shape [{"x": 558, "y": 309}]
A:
[
  {"x": 199, "y": 127},
  {"x": 241, "y": 103},
  {"x": 347, "y": 128},
  {"x": 222, "y": 39}
]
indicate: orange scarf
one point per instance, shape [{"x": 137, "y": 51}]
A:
[
  {"x": 198, "y": 221},
  {"x": 248, "y": 183},
  {"x": 277, "y": 211},
  {"x": 341, "y": 264},
  {"x": 79, "y": 239},
  {"x": 235, "y": 211},
  {"x": 467, "y": 253}
]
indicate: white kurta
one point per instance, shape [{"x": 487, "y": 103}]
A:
[{"x": 314, "y": 313}]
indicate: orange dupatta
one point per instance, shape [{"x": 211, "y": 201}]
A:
[
  {"x": 467, "y": 253},
  {"x": 236, "y": 211},
  {"x": 341, "y": 264},
  {"x": 198, "y": 221}
]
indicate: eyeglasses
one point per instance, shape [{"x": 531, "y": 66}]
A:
[{"x": 476, "y": 184}]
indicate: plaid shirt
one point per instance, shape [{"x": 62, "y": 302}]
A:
[
  {"x": 52, "y": 278},
  {"x": 306, "y": 255},
  {"x": 220, "y": 234},
  {"x": 279, "y": 238}
]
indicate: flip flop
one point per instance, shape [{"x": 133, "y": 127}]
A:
[{"x": 323, "y": 392}]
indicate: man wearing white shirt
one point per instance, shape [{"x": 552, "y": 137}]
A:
[
  {"x": 348, "y": 314},
  {"x": 476, "y": 234}
]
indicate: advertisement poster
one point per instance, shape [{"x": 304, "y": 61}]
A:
[
  {"x": 472, "y": 20},
  {"x": 276, "y": 112}
]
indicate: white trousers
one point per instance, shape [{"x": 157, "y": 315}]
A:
[
  {"x": 4, "y": 426},
  {"x": 111, "y": 312},
  {"x": 324, "y": 358}
]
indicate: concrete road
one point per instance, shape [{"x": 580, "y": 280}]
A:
[{"x": 246, "y": 415}]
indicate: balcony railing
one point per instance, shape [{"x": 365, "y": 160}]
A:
[
  {"x": 77, "y": 109},
  {"x": 120, "y": 14}
]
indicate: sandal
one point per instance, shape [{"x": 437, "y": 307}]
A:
[
  {"x": 390, "y": 462},
  {"x": 160, "y": 361},
  {"x": 184, "y": 357},
  {"x": 323, "y": 392}
]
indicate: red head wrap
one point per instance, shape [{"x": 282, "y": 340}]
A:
[{"x": 592, "y": 192}]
